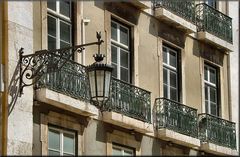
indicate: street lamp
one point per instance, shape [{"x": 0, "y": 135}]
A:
[{"x": 34, "y": 66}]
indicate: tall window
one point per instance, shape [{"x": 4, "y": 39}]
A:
[
  {"x": 120, "y": 47},
  {"x": 61, "y": 142},
  {"x": 59, "y": 24},
  {"x": 170, "y": 73},
  {"x": 211, "y": 90},
  {"x": 122, "y": 151}
]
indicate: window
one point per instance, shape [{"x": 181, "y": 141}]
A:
[
  {"x": 211, "y": 90},
  {"x": 60, "y": 142},
  {"x": 120, "y": 47},
  {"x": 122, "y": 151},
  {"x": 59, "y": 24},
  {"x": 212, "y": 3},
  {"x": 170, "y": 74}
]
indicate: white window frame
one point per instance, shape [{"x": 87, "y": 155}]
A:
[
  {"x": 62, "y": 131},
  {"x": 169, "y": 68},
  {"x": 119, "y": 46},
  {"x": 210, "y": 85},
  {"x": 60, "y": 18},
  {"x": 123, "y": 149}
]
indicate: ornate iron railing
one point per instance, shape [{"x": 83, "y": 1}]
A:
[
  {"x": 130, "y": 100},
  {"x": 70, "y": 80},
  {"x": 182, "y": 8},
  {"x": 213, "y": 21},
  {"x": 175, "y": 116},
  {"x": 216, "y": 130}
]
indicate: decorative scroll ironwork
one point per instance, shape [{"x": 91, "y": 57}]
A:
[
  {"x": 70, "y": 80},
  {"x": 216, "y": 130},
  {"x": 175, "y": 116},
  {"x": 183, "y": 8},
  {"x": 34, "y": 66},
  {"x": 213, "y": 21},
  {"x": 130, "y": 100}
]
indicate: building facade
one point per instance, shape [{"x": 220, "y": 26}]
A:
[{"x": 174, "y": 87}]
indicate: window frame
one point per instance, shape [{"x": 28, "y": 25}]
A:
[
  {"x": 120, "y": 46},
  {"x": 123, "y": 148},
  {"x": 209, "y": 84},
  {"x": 169, "y": 68}
]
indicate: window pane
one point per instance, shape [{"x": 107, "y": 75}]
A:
[
  {"x": 114, "y": 31},
  {"x": 165, "y": 80},
  {"x": 173, "y": 94},
  {"x": 173, "y": 79},
  {"x": 212, "y": 76},
  {"x": 53, "y": 153},
  {"x": 51, "y": 43},
  {"x": 205, "y": 73},
  {"x": 64, "y": 44},
  {"x": 68, "y": 143},
  {"x": 165, "y": 91},
  {"x": 213, "y": 94},
  {"x": 206, "y": 106},
  {"x": 114, "y": 74},
  {"x": 123, "y": 35},
  {"x": 206, "y": 93},
  {"x": 165, "y": 56},
  {"x": 114, "y": 54},
  {"x": 51, "y": 22},
  {"x": 124, "y": 58},
  {"x": 124, "y": 74},
  {"x": 65, "y": 31},
  {"x": 173, "y": 59},
  {"x": 51, "y": 5},
  {"x": 65, "y": 8},
  {"x": 54, "y": 139},
  {"x": 213, "y": 109},
  {"x": 128, "y": 153},
  {"x": 116, "y": 151},
  {"x": 65, "y": 154}
]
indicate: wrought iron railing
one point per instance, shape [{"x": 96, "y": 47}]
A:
[
  {"x": 216, "y": 130},
  {"x": 182, "y": 8},
  {"x": 213, "y": 21},
  {"x": 175, "y": 116},
  {"x": 70, "y": 80},
  {"x": 130, "y": 100}
]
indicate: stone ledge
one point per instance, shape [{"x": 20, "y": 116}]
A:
[
  {"x": 127, "y": 122},
  {"x": 65, "y": 102},
  {"x": 176, "y": 21},
  {"x": 214, "y": 40},
  {"x": 216, "y": 149},
  {"x": 178, "y": 138},
  {"x": 142, "y": 4}
]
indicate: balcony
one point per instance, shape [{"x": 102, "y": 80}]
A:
[
  {"x": 214, "y": 27},
  {"x": 131, "y": 107},
  {"x": 180, "y": 14},
  {"x": 67, "y": 89},
  {"x": 141, "y": 4},
  {"x": 176, "y": 122},
  {"x": 217, "y": 135}
]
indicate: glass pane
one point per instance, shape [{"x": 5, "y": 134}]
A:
[
  {"x": 124, "y": 58},
  {"x": 206, "y": 92},
  {"x": 114, "y": 54},
  {"x": 65, "y": 154},
  {"x": 205, "y": 73},
  {"x": 128, "y": 153},
  {"x": 100, "y": 82},
  {"x": 64, "y": 44},
  {"x": 212, "y": 76},
  {"x": 213, "y": 94},
  {"x": 173, "y": 79},
  {"x": 65, "y": 31},
  {"x": 206, "y": 106},
  {"x": 116, "y": 151},
  {"x": 165, "y": 80},
  {"x": 51, "y": 43},
  {"x": 51, "y": 5},
  {"x": 54, "y": 139},
  {"x": 173, "y": 59},
  {"x": 68, "y": 143},
  {"x": 51, "y": 22},
  {"x": 114, "y": 31},
  {"x": 165, "y": 56},
  {"x": 213, "y": 109},
  {"x": 53, "y": 153},
  {"x": 114, "y": 74},
  {"x": 65, "y": 8},
  {"x": 123, "y": 35},
  {"x": 173, "y": 94},
  {"x": 165, "y": 91},
  {"x": 124, "y": 74}
]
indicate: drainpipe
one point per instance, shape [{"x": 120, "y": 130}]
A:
[{"x": 5, "y": 78}]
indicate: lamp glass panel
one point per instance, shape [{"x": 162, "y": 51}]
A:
[
  {"x": 100, "y": 82},
  {"x": 91, "y": 76},
  {"x": 107, "y": 83}
]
